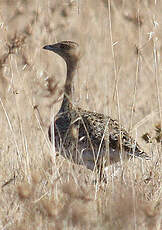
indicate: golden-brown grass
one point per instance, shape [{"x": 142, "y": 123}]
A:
[{"x": 119, "y": 75}]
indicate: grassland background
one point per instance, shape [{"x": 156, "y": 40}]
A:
[{"x": 119, "y": 74}]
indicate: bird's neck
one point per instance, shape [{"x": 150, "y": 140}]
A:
[{"x": 67, "y": 99}]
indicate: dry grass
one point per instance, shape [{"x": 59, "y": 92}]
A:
[{"x": 119, "y": 74}]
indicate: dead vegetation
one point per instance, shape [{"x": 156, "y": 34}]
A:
[{"x": 119, "y": 74}]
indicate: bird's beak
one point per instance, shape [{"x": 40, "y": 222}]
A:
[{"x": 48, "y": 47}]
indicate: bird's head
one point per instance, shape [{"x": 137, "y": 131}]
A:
[{"x": 68, "y": 50}]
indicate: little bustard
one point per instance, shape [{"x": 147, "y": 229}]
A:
[{"x": 86, "y": 137}]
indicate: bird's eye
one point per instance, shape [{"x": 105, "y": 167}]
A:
[{"x": 64, "y": 46}]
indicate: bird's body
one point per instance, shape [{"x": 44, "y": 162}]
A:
[{"x": 86, "y": 137}]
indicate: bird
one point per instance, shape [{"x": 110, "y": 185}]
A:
[{"x": 85, "y": 137}]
